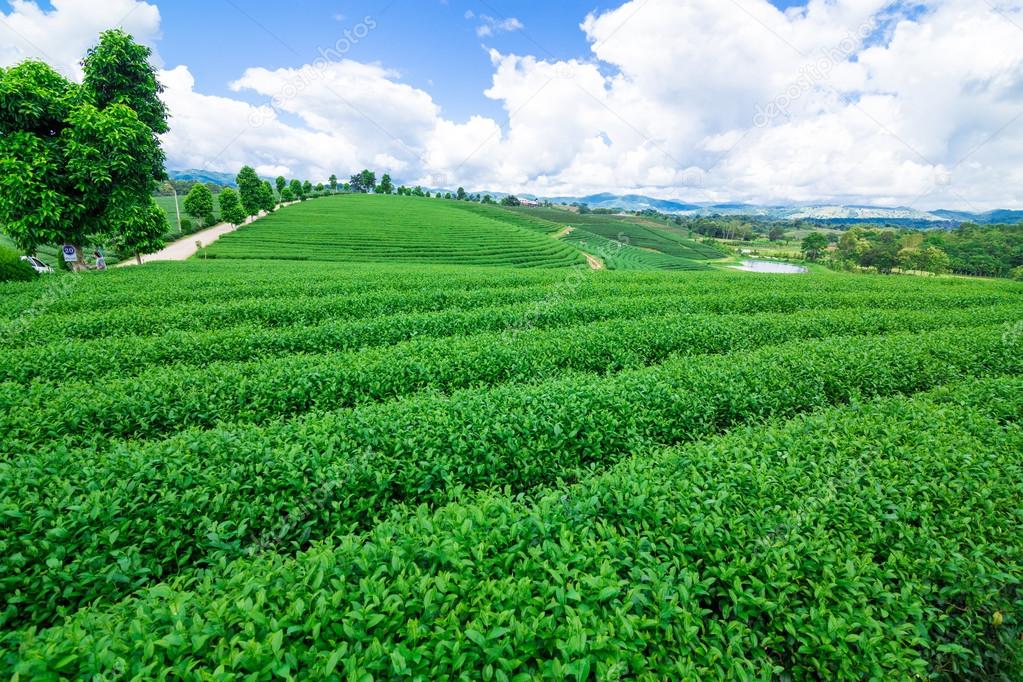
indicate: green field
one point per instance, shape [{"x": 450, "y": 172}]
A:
[
  {"x": 167, "y": 204},
  {"x": 256, "y": 469},
  {"x": 628, "y": 230},
  {"x": 618, "y": 255},
  {"x": 359, "y": 228},
  {"x": 515, "y": 217}
]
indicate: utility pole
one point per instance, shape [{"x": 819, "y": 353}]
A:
[{"x": 177, "y": 209}]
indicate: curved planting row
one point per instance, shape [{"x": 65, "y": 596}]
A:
[
  {"x": 163, "y": 400},
  {"x": 287, "y": 310},
  {"x": 512, "y": 217},
  {"x": 619, "y": 255},
  {"x": 885, "y": 554},
  {"x": 70, "y": 359},
  {"x": 87, "y": 525},
  {"x": 215, "y": 282},
  {"x": 284, "y": 312}
]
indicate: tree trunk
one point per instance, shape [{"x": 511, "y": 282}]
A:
[
  {"x": 80, "y": 264},
  {"x": 138, "y": 258}
]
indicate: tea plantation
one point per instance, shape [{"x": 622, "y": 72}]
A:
[
  {"x": 368, "y": 228},
  {"x": 406, "y": 466}
]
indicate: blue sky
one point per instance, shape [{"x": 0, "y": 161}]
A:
[
  {"x": 430, "y": 42},
  {"x": 913, "y": 103}
]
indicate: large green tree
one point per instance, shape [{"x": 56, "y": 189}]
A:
[
  {"x": 267, "y": 200},
  {"x": 296, "y": 188},
  {"x": 366, "y": 181},
  {"x": 281, "y": 183},
  {"x": 199, "y": 204},
  {"x": 814, "y": 245},
  {"x": 333, "y": 183},
  {"x": 78, "y": 163},
  {"x": 231, "y": 210},
  {"x": 386, "y": 186},
  {"x": 250, "y": 187}
]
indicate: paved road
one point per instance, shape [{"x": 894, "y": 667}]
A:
[{"x": 186, "y": 247}]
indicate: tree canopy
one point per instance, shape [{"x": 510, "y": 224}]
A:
[
  {"x": 231, "y": 210},
  {"x": 79, "y": 163},
  {"x": 267, "y": 199},
  {"x": 814, "y": 245},
  {"x": 199, "y": 204},
  {"x": 366, "y": 181},
  {"x": 250, "y": 188}
]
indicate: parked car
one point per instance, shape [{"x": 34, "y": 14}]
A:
[{"x": 37, "y": 265}]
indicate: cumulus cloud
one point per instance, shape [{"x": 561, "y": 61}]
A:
[
  {"x": 222, "y": 133},
  {"x": 61, "y": 35},
  {"x": 854, "y": 101}
]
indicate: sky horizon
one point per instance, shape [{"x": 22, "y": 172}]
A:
[{"x": 866, "y": 102}]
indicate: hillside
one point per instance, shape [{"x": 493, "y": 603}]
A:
[
  {"x": 387, "y": 229},
  {"x": 629, "y": 230}
]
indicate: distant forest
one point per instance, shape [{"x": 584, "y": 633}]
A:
[
  {"x": 986, "y": 250},
  {"x": 970, "y": 249}
]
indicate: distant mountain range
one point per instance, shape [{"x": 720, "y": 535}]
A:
[
  {"x": 821, "y": 213},
  {"x": 204, "y": 176}
]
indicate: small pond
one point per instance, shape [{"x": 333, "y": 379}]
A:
[{"x": 771, "y": 267}]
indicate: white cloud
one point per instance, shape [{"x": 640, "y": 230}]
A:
[
  {"x": 221, "y": 133},
  {"x": 854, "y": 101},
  {"x": 60, "y": 36},
  {"x": 490, "y": 26}
]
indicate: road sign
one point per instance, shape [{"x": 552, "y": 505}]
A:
[{"x": 70, "y": 253}]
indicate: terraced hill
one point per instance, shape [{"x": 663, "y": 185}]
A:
[
  {"x": 627, "y": 230},
  {"x": 618, "y": 255},
  {"x": 391, "y": 229}
]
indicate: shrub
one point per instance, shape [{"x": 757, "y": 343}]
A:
[{"x": 12, "y": 268}]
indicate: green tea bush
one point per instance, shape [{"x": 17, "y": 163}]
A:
[
  {"x": 184, "y": 503},
  {"x": 877, "y": 542},
  {"x": 245, "y": 469},
  {"x": 164, "y": 400}
]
